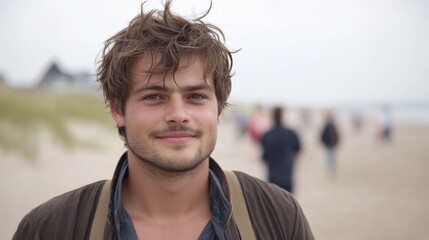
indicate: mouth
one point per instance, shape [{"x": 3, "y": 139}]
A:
[{"x": 176, "y": 137}]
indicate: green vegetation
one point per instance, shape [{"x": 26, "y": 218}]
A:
[{"x": 23, "y": 113}]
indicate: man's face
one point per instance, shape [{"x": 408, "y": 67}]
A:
[{"x": 171, "y": 126}]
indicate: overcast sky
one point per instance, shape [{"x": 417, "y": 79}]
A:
[{"x": 297, "y": 52}]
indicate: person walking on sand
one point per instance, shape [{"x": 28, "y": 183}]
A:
[
  {"x": 166, "y": 80},
  {"x": 330, "y": 139},
  {"x": 257, "y": 124},
  {"x": 281, "y": 146},
  {"x": 386, "y": 124}
]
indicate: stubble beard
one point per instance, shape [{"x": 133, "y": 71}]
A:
[{"x": 159, "y": 165}]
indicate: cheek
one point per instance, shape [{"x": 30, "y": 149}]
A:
[
  {"x": 212, "y": 124},
  {"x": 137, "y": 113},
  {"x": 209, "y": 117},
  {"x": 140, "y": 120}
]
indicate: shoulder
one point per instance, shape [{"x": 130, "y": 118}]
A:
[
  {"x": 74, "y": 198},
  {"x": 66, "y": 216},
  {"x": 261, "y": 192},
  {"x": 271, "y": 134},
  {"x": 291, "y": 131},
  {"x": 274, "y": 212}
]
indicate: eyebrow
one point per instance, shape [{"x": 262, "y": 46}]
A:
[
  {"x": 197, "y": 87},
  {"x": 148, "y": 88},
  {"x": 161, "y": 88}
]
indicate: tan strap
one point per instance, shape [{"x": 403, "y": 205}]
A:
[
  {"x": 239, "y": 207},
  {"x": 100, "y": 216}
]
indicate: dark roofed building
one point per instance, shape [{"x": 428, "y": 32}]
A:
[
  {"x": 59, "y": 81},
  {"x": 54, "y": 76},
  {"x": 3, "y": 83}
]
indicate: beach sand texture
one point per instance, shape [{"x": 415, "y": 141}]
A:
[{"x": 380, "y": 190}]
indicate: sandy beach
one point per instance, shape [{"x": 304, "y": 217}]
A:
[{"x": 380, "y": 190}]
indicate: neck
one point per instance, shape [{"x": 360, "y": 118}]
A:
[{"x": 165, "y": 197}]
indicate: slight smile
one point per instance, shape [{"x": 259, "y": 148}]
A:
[{"x": 177, "y": 137}]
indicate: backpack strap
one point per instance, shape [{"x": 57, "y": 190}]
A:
[
  {"x": 100, "y": 216},
  {"x": 239, "y": 207}
]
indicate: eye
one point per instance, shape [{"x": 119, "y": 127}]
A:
[
  {"x": 197, "y": 97},
  {"x": 152, "y": 97}
]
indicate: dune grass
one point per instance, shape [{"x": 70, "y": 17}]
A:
[{"x": 23, "y": 113}]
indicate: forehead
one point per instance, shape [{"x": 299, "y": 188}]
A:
[{"x": 149, "y": 70}]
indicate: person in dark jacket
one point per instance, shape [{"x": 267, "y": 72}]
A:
[
  {"x": 166, "y": 80},
  {"x": 281, "y": 146},
  {"x": 330, "y": 138}
]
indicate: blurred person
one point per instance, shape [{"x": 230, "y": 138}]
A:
[
  {"x": 357, "y": 121},
  {"x": 166, "y": 80},
  {"x": 241, "y": 121},
  {"x": 257, "y": 123},
  {"x": 281, "y": 146},
  {"x": 386, "y": 124},
  {"x": 330, "y": 139},
  {"x": 305, "y": 115}
]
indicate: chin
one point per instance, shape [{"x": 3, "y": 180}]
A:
[{"x": 180, "y": 165}]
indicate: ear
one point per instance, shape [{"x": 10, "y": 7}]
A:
[{"x": 117, "y": 114}]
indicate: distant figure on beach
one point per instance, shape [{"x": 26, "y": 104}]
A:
[
  {"x": 281, "y": 146},
  {"x": 357, "y": 121},
  {"x": 386, "y": 124},
  {"x": 241, "y": 120},
  {"x": 305, "y": 114},
  {"x": 330, "y": 139},
  {"x": 257, "y": 123}
]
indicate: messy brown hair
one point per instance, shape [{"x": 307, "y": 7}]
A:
[{"x": 167, "y": 37}]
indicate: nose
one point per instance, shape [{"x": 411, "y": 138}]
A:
[{"x": 176, "y": 111}]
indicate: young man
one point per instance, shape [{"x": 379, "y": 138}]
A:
[{"x": 166, "y": 80}]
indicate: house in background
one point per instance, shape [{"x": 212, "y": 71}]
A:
[
  {"x": 58, "y": 81},
  {"x": 3, "y": 83}
]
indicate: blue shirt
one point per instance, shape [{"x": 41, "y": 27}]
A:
[{"x": 214, "y": 230}]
